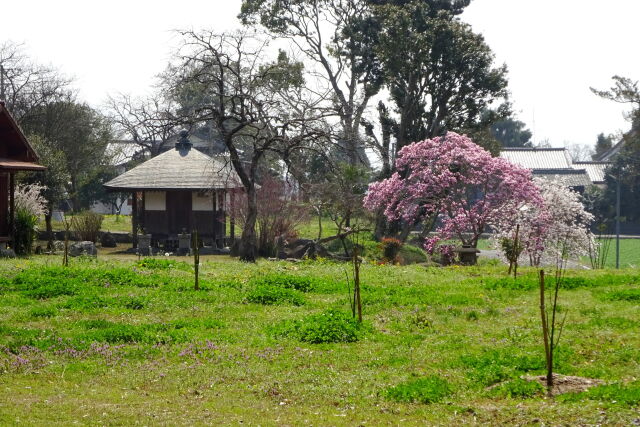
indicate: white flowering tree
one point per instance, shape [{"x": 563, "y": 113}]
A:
[
  {"x": 30, "y": 206},
  {"x": 559, "y": 229}
]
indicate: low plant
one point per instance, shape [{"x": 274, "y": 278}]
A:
[
  {"x": 495, "y": 366},
  {"x": 632, "y": 295},
  {"x": 427, "y": 390},
  {"x": 390, "y": 249},
  {"x": 331, "y": 326},
  {"x": 621, "y": 394},
  {"x": 162, "y": 264},
  {"x": 273, "y": 295},
  {"x": 26, "y": 231},
  {"x": 288, "y": 281},
  {"x": 87, "y": 225},
  {"x": 44, "y": 312},
  {"x": 29, "y": 206},
  {"x": 518, "y": 388}
]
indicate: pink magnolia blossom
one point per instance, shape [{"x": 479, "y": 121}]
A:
[{"x": 453, "y": 178}]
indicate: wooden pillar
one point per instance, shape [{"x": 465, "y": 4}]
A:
[
  {"x": 223, "y": 218},
  {"x": 143, "y": 213},
  {"x": 216, "y": 223},
  {"x": 12, "y": 206},
  {"x": 134, "y": 218}
]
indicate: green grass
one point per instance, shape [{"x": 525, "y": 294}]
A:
[
  {"x": 119, "y": 342},
  {"x": 629, "y": 254},
  {"x": 113, "y": 223}
]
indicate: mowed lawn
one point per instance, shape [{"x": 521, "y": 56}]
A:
[{"x": 122, "y": 342}]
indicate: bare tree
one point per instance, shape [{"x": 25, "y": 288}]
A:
[
  {"x": 338, "y": 36},
  {"x": 147, "y": 121},
  {"x": 257, "y": 107},
  {"x": 25, "y": 85}
]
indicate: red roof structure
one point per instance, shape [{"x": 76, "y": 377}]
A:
[{"x": 16, "y": 154}]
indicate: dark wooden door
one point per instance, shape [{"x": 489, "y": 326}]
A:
[{"x": 179, "y": 211}]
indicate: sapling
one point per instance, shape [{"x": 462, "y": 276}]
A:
[
  {"x": 356, "y": 301},
  {"x": 551, "y": 325},
  {"x": 67, "y": 227},
  {"x": 196, "y": 260}
]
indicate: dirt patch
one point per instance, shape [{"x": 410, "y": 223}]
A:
[{"x": 565, "y": 383}]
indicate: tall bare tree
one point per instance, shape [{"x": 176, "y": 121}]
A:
[
  {"x": 25, "y": 85},
  {"x": 147, "y": 121},
  {"x": 259, "y": 108},
  {"x": 338, "y": 37}
]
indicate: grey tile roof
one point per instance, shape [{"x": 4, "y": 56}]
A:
[
  {"x": 184, "y": 169},
  {"x": 595, "y": 170},
  {"x": 568, "y": 177},
  {"x": 538, "y": 158}
]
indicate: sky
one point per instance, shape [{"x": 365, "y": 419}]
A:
[{"x": 554, "y": 50}]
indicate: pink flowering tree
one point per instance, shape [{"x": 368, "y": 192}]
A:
[{"x": 455, "y": 180}]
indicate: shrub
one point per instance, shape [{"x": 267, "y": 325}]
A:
[
  {"x": 278, "y": 214},
  {"x": 331, "y": 326},
  {"x": 614, "y": 393},
  {"x": 29, "y": 206},
  {"x": 269, "y": 295},
  {"x": 26, "y": 231},
  {"x": 391, "y": 249},
  {"x": 87, "y": 225},
  {"x": 423, "y": 390},
  {"x": 518, "y": 388}
]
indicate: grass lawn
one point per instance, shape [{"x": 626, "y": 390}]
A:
[
  {"x": 113, "y": 223},
  {"x": 117, "y": 341}
]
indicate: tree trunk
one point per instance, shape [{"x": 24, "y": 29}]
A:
[
  {"x": 248, "y": 238},
  {"x": 47, "y": 220}
]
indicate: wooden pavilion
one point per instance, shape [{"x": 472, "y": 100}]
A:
[
  {"x": 179, "y": 191},
  {"x": 16, "y": 154}
]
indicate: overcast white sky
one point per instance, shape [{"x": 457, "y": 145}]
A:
[{"x": 555, "y": 50}]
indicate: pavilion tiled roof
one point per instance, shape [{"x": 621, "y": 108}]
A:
[
  {"x": 182, "y": 168},
  {"x": 595, "y": 170},
  {"x": 538, "y": 158},
  {"x": 568, "y": 177}
]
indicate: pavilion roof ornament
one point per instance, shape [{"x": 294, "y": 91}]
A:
[{"x": 183, "y": 143}]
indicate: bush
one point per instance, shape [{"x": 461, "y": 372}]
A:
[
  {"x": 87, "y": 225},
  {"x": 269, "y": 295},
  {"x": 518, "y": 388},
  {"x": 423, "y": 390},
  {"x": 26, "y": 231},
  {"x": 331, "y": 326},
  {"x": 391, "y": 249},
  {"x": 29, "y": 206}
]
